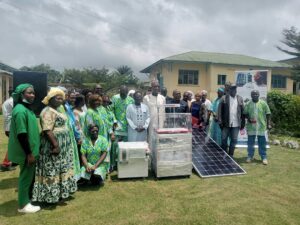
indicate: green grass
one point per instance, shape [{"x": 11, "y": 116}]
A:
[{"x": 265, "y": 195}]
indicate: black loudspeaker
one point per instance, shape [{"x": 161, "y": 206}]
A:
[{"x": 39, "y": 82}]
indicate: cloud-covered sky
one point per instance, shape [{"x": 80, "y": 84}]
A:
[{"x": 110, "y": 33}]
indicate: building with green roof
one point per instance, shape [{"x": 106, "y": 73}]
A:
[{"x": 196, "y": 71}]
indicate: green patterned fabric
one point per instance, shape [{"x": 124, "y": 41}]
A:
[
  {"x": 104, "y": 117},
  {"x": 110, "y": 118},
  {"x": 94, "y": 117},
  {"x": 54, "y": 173},
  {"x": 76, "y": 161},
  {"x": 119, "y": 107},
  {"x": 257, "y": 111},
  {"x": 93, "y": 154}
]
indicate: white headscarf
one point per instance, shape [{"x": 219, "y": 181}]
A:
[{"x": 53, "y": 92}]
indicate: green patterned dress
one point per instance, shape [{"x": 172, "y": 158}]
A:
[
  {"x": 93, "y": 116},
  {"x": 111, "y": 120},
  {"x": 93, "y": 154},
  {"x": 54, "y": 173},
  {"x": 71, "y": 127},
  {"x": 119, "y": 107}
]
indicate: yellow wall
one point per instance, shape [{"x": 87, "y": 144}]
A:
[
  {"x": 7, "y": 81},
  {"x": 170, "y": 72},
  {"x": 208, "y": 76}
]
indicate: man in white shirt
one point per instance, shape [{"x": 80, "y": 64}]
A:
[
  {"x": 207, "y": 104},
  {"x": 231, "y": 118},
  {"x": 7, "y": 108},
  {"x": 155, "y": 103},
  {"x": 204, "y": 99}
]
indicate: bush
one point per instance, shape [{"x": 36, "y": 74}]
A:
[{"x": 285, "y": 109}]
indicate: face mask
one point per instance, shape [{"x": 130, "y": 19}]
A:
[{"x": 25, "y": 101}]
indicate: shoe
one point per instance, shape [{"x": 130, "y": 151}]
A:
[
  {"x": 29, "y": 209},
  {"x": 265, "y": 161},
  {"x": 248, "y": 160},
  {"x": 7, "y": 168}
]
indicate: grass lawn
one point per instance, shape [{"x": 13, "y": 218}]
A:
[{"x": 265, "y": 195}]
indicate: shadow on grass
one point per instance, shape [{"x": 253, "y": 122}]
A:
[
  {"x": 151, "y": 177},
  {"x": 53, "y": 206},
  {"x": 9, "y": 209},
  {"x": 242, "y": 161},
  {"x": 9, "y": 183},
  {"x": 89, "y": 187}
]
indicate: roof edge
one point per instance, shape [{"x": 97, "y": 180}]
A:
[{"x": 147, "y": 69}]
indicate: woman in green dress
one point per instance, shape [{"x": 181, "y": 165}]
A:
[
  {"x": 54, "y": 171},
  {"x": 94, "y": 150},
  {"x": 93, "y": 116},
  {"x": 24, "y": 143}
]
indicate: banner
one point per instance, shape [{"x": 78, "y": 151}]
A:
[{"x": 247, "y": 81}]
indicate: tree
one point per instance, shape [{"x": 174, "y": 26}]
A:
[
  {"x": 74, "y": 77},
  {"x": 292, "y": 40},
  {"x": 124, "y": 70},
  {"x": 97, "y": 75},
  {"x": 54, "y": 76},
  {"x": 126, "y": 75},
  {"x": 86, "y": 77}
]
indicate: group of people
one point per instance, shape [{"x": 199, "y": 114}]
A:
[
  {"x": 77, "y": 140},
  {"x": 223, "y": 118}
]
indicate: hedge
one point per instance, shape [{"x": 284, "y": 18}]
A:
[{"x": 285, "y": 109}]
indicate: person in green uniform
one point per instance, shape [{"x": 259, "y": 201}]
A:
[
  {"x": 94, "y": 150},
  {"x": 24, "y": 143}
]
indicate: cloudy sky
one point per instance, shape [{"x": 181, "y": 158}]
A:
[{"x": 97, "y": 33}]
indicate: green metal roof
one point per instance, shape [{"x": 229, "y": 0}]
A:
[
  {"x": 291, "y": 61},
  {"x": 219, "y": 58}
]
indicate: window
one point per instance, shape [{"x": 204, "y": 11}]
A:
[
  {"x": 278, "y": 81},
  {"x": 188, "y": 77},
  {"x": 221, "y": 79},
  {"x": 170, "y": 67},
  {"x": 160, "y": 79}
]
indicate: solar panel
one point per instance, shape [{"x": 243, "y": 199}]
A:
[{"x": 209, "y": 160}]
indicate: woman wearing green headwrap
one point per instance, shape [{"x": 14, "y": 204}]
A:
[{"x": 24, "y": 143}]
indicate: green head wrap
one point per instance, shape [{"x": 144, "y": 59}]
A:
[
  {"x": 220, "y": 89},
  {"x": 18, "y": 92}
]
